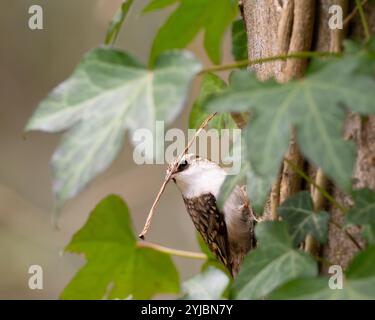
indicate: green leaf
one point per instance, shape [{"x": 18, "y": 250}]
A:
[
  {"x": 230, "y": 182},
  {"x": 239, "y": 40},
  {"x": 267, "y": 135},
  {"x": 273, "y": 263},
  {"x": 108, "y": 93},
  {"x": 362, "y": 57},
  {"x": 362, "y": 265},
  {"x": 298, "y": 212},
  {"x": 189, "y": 19},
  {"x": 304, "y": 288},
  {"x": 117, "y": 21},
  {"x": 158, "y": 4},
  {"x": 257, "y": 187},
  {"x": 210, "y": 84},
  {"x": 115, "y": 265},
  {"x": 363, "y": 211},
  {"x": 208, "y": 285},
  {"x": 313, "y": 105},
  {"x": 368, "y": 233},
  {"x": 358, "y": 284}
]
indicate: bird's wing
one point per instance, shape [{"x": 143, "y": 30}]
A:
[{"x": 210, "y": 223}]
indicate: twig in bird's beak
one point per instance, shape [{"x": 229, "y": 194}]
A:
[{"x": 172, "y": 169}]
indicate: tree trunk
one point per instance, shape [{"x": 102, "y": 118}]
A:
[{"x": 286, "y": 26}]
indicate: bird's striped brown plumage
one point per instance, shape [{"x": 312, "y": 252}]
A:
[
  {"x": 210, "y": 223},
  {"x": 229, "y": 233}
]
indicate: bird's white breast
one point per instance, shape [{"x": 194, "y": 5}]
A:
[{"x": 201, "y": 179}]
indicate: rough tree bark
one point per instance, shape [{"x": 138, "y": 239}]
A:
[{"x": 285, "y": 26}]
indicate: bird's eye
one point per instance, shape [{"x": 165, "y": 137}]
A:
[{"x": 183, "y": 165}]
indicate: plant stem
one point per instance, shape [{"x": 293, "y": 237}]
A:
[
  {"x": 348, "y": 234},
  {"x": 323, "y": 191},
  {"x": 363, "y": 19},
  {"x": 295, "y": 55},
  {"x": 311, "y": 245},
  {"x": 174, "y": 252},
  {"x": 351, "y": 15}
]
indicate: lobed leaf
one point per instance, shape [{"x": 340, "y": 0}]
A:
[
  {"x": 191, "y": 17},
  {"x": 257, "y": 187},
  {"x": 273, "y": 263},
  {"x": 313, "y": 105},
  {"x": 359, "y": 283},
  {"x": 298, "y": 212},
  {"x": 108, "y": 93},
  {"x": 116, "y": 267},
  {"x": 363, "y": 211}
]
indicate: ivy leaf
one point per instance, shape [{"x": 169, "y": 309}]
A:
[
  {"x": 115, "y": 265},
  {"x": 108, "y": 93},
  {"x": 230, "y": 182},
  {"x": 304, "y": 288},
  {"x": 364, "y": 210},
  {"x": 188, "y": 20},
  {"x": 117, "y": 22},
  {"x": 363, "y": 213},
  {"x": 368, "y": 233},
  {"x": 313, "y": 105},
  {"x": 210, "y": 84},
  {"x": 208, "y": 285},
  {"x": 362, "y": 57},
  {"x": 239, "y": 40},
  {"x": 359, "y": 283},
  {"x": 273, "y": 263},
  {"x": 257, "y": 187},
  {"x": 298, "y": 212}
]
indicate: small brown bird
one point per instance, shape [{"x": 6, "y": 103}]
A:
[{"x": 229, "y": 233}]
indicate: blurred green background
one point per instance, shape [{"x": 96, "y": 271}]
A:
[{"x": 32, "y": 62}]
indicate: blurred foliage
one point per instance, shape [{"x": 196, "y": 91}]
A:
[
  {"x": 239, "y": 40},
  {"x": 191, "y": 17},
  {"x": 110, "y": 92},
  {"x": 117, "y": 21},
  {"x": 208, "y": 285},
  {"x": 210, "y": 84},
  {"x": 298, "y": 212},
  {"x": 274, "y": 262},
  {"x": 359, "y": 283},
  {"x": 313, "y": 105}
]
